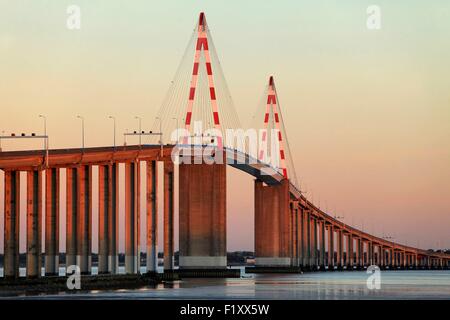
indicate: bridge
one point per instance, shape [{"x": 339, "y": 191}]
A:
[{"x": 292, "y": 234}]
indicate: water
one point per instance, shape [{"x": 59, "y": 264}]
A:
[{"x": 318, "y": 285}]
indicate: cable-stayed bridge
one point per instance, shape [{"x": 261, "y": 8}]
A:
[{"x": 291, "y": 232}]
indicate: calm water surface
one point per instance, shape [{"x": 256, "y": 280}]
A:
[{"x": 318, "y": 285}]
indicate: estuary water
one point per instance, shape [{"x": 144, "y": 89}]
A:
[{"x": 308, "y": 286}]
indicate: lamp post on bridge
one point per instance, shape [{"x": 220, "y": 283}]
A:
[
  {"x": 161, "y": 134},
  {"x": 114, "y": 139},
  {"x": 45, "y": 139},
  {"x": 140, "y": 128},
  {"x": 82, "y": 132},
  {"x": 45, "y": 129}
]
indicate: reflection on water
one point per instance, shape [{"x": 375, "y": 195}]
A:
[{"x": 318, "y": 285}]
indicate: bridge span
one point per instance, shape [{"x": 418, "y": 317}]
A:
[{"x": 291, "y": 233}]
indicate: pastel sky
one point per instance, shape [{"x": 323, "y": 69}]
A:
[{"x": 367, "y": 111}]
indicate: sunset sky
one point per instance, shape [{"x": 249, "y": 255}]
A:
[{"x": 367, "y": 111}]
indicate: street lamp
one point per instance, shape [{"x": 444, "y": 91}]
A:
[
  {"x": 82, "y": 131},
  {"x": 160, "y": 134},
  {"x": 45, "y": 129},
  {"x": 140, "y": 132},
  {"x": 114, "y": 139}
]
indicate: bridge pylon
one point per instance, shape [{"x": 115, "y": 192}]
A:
[{"x": 275, "y": 229}]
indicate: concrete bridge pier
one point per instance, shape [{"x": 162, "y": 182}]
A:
[
  {"x": 203, "y": 216},
  {"x": 307, "y": 239},
  {"x": 103, "y": 207},
  {"x": 272, "y": 225},
  {"x": 315, "y": 262},
  {"x": 52, "y": 222},
  {"x": 169, "y": 198},
  {"x": 107, "y": 214},
  {"x": 350, "y": 252},
  {"x": 152, "y": 216},
  {"x": 113, "y": 218},
  {"x": 293, "y": 239},
  {"x": 131, "y": 216},
  {"x": 34, "y": 223},
  {"x": 71, "y": 215},
  {"x": 359, "y": 253},
  {"x": 340, "y": 249},
  {"x": 322, "y": 257},
  {"x": 84, "y": 218},
  {"x": 330, "y": 248},
  {"x": 299, "y": 234},
  {"x": 11, "y": 224}
]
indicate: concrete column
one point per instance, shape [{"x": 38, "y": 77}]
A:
[
  {"x": 84, "y": 219},
  {"x": 292, "y": 238},
  {"x": 322, "y": 257},
  {"x": 52, "y": 222},
  {"x": 302, "y": 236},
  {"x": 394, "y": 259},
  {"x": 340, "y": 249},
  {"x": 299, "y": 235},
  {"x": 113, "y": 219},
  {"x": 103, "y": 218},
  {"x": 350, "y": 259},
  {"x": 405, "y": 259},
  {"x": 315, "y": 244},
  {"x": 272, "y": 225},
  {"x": 131, "y": 207},
  {"x": 358, "y": 253},
  {"x": 169, "y": 215},
  {"x": 71, "y": 215},
  {"x": 11, "y": 224},
  {"x": 34, "y": 223},
  {"x": 152, "y": 216},
  {"x": 308, "y": 244},
  {"x": 330, "y": 248}
]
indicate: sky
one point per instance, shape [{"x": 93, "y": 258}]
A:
[{"x": 367, "y": 111}]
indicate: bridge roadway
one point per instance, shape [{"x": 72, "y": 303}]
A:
[{"x": 299, "y": 237}]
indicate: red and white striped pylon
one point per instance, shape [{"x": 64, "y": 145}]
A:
[
  {"x": 272, "y": 102},
  {"x": 202, "y": 44}
]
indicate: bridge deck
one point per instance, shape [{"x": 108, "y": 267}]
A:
[{"x": 34, "y": 159}]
